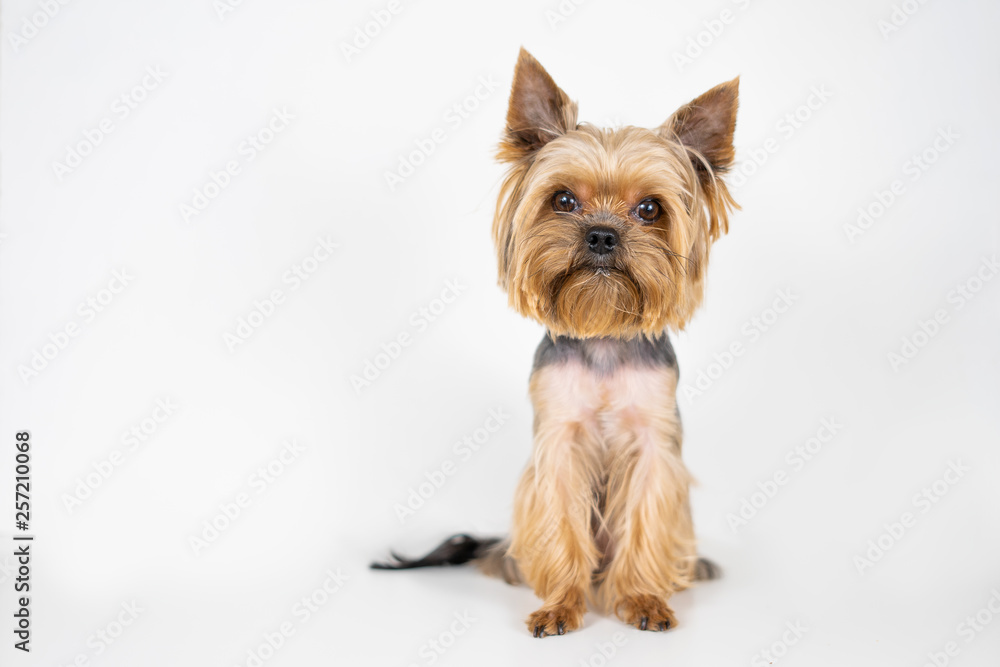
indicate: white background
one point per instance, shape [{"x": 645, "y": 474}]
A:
[{"x": 334, "y": 506}]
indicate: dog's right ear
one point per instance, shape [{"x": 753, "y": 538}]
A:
[
  {"x": 706, "y": 125},
  {"x": 539, "y": 111}
]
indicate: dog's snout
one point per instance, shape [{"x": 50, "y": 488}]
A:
[{"x": 601, "y": 240}]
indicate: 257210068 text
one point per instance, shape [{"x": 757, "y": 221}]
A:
[{"x": 22, "y": 542}]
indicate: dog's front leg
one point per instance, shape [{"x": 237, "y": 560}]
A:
[
  {"x": 647, "y": 508},
  {"x": 551, "y": 531}
]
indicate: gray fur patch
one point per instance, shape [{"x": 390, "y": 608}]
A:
[{"x": 604, "y": 356}]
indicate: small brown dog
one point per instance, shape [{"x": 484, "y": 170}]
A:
[{"x": 603, "y": 236}]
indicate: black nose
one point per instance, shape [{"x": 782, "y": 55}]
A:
[{"x": 601, "y": 240}]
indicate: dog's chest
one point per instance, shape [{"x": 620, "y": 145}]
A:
[
  {"x": 631, "y": 405},
  {"x": 582, "y": 380}
]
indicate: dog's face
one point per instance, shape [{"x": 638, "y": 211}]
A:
[{"x": 605, "y": 232}]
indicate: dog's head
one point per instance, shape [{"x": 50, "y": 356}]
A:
[{"x": 606, "y": 232}]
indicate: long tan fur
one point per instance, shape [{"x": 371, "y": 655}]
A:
[{"x": 601, "y": 512}]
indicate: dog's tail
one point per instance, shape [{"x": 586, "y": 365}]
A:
[
  {"x": 706, "y": 570},
  {"x": 489, "y": 553},
  {"x": 492, "y": 557}
]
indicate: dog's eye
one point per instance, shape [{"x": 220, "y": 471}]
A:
[
  {"x": 564, "y": 201},
  {"x": 648, "y": 210}
]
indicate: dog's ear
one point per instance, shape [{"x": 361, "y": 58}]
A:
[
  {"x": 706, "y": 125},
  {"x": 539, "y": 111}
]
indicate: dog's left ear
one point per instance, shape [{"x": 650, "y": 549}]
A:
[
  {"x": 539, "y": 111},
  {"x": 706, "y": 125}
]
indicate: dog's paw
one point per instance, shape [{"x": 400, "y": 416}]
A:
[
  {"x": 555, "y": 620},
  {"x": 646, "y": 612}
]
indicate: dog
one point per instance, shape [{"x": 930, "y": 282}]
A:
[{"x": 603, "y": 236}]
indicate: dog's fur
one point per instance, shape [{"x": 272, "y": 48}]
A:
[{"x": 602, "y": 512}]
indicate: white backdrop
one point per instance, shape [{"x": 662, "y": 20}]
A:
[{"x": 201, "y": 247}]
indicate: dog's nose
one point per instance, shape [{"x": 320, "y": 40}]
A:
[{"x": 601, "y": 240}]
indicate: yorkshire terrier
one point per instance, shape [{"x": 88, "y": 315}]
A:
[{"x": 603, "y": 236}]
